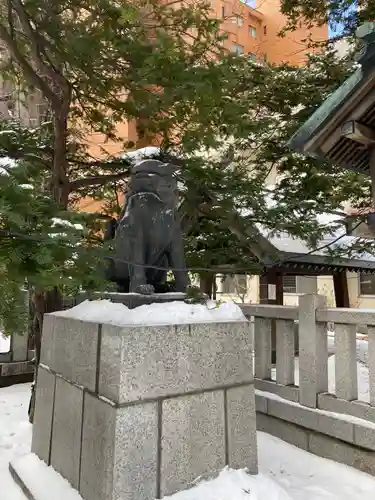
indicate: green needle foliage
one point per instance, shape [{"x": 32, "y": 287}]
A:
[
  {"x": 98, "y": 63},
  {"x": 343, "y": 15}
]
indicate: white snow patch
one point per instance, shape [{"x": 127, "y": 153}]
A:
[
  {"x": 363, "y": 379},
  {"x": 235, "y": 485},
  {"x": 230, "y": 484},
  {"x": 56, "y": 222},
  {"x": 4, "y": 343},
  {"x": 361, "y": 348},
  {"x": 308, "y": 477},
  {"x": 7, "y": 163},
  {"x": 286, "y": 472},
  {"x": 286, "y": 243},
  {"x": 170, "y": 313},
  {"x": 31, "y": 469},
  {"x": 140, "y": 154},
  {"x": 15, "y": 435}
]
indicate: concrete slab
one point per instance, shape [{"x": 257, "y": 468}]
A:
[
  {"x": 119, "y": 451},
  {"x": 241, "y": 418},
  {"x": 193, "y": 439},
  {"x": 70, "y": 348},
  {"x": 44, "y": 403},
  {"x": 66, "y": 431},
  {"x": 138, "y": 363}
]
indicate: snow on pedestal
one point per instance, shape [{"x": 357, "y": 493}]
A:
[{"x": 136, "y": 404}]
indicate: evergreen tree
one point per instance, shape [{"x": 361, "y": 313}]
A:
[
  {"x": 227, "y": 118},
  {"x": 344, "y": 16},
  {"x": 270, "y": 103},
  {"x": 97, "y": 63}
]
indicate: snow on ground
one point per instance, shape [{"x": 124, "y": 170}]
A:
[
  {"x": 308, "y": 477},
  {"x": 15, "y": 435},
  {"x": 105, "y": 311},
  {"x": 286, "y": 472},
  {"x": 362, "y": 375},
  {"x": 4, "y": 343},
  {"x": 235, "y": 485},
  {"x": 362, "y": 346}
]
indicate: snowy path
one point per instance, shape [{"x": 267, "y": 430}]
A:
[{"x": 301, "y": 476}]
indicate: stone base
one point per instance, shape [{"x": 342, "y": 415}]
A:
[
  {"x": 132, "y": 300},
  {"x": 146, "y": 450},
  {"x": 139, "y": 412}
]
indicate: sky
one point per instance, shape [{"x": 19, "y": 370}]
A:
[{"x": 336, "y": 29}]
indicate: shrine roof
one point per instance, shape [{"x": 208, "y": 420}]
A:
[
  {"x": 293, "y": 255},
  {"x": 330, "y": 131}
]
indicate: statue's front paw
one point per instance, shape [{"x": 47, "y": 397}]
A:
[{"x": 145, "y": 289}]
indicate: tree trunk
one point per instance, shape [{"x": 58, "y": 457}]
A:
[
  {"x": 59, "y": 179},
  {"x": 45, "y": 301}
]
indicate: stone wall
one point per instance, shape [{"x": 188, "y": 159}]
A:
[
  {"x": 137, "y": 413},
  {"x": 320, "y": 442}
]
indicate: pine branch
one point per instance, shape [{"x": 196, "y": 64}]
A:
[
  {"x": 97, "y": 181},
  {"x": 30, "y": 73},
  {"x": 33, "y": 38}
]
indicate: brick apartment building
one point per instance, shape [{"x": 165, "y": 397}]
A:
[{"x": 252, "y": 29}]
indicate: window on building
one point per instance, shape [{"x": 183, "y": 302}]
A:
[
  {"x": 222, "y": 12},
  {"x": 290, "y": 284},
  {"x": 265, "y": 30},
  {"x": 237, "y": 49},
  {"x": 237, "y": 19},
  {"x": 224, "y": 37},
  {"x": 236, "y": 284},
  {"x": 366, "y": 284},
  {"x": 252, "y": 31},
  {"x": 252, "y": 56}
]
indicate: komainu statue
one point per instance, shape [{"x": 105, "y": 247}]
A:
[{"x": 148, "y": 235}]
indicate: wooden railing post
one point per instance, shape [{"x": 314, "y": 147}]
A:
[{"x": 313, "y": 350}]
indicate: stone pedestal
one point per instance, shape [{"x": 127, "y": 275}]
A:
[
  {"x": 131, "y": 300},
  {"x": 139, "y": 412}
]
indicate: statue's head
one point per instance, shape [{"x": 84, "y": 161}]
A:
[{"x": 156, "y": 177}]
